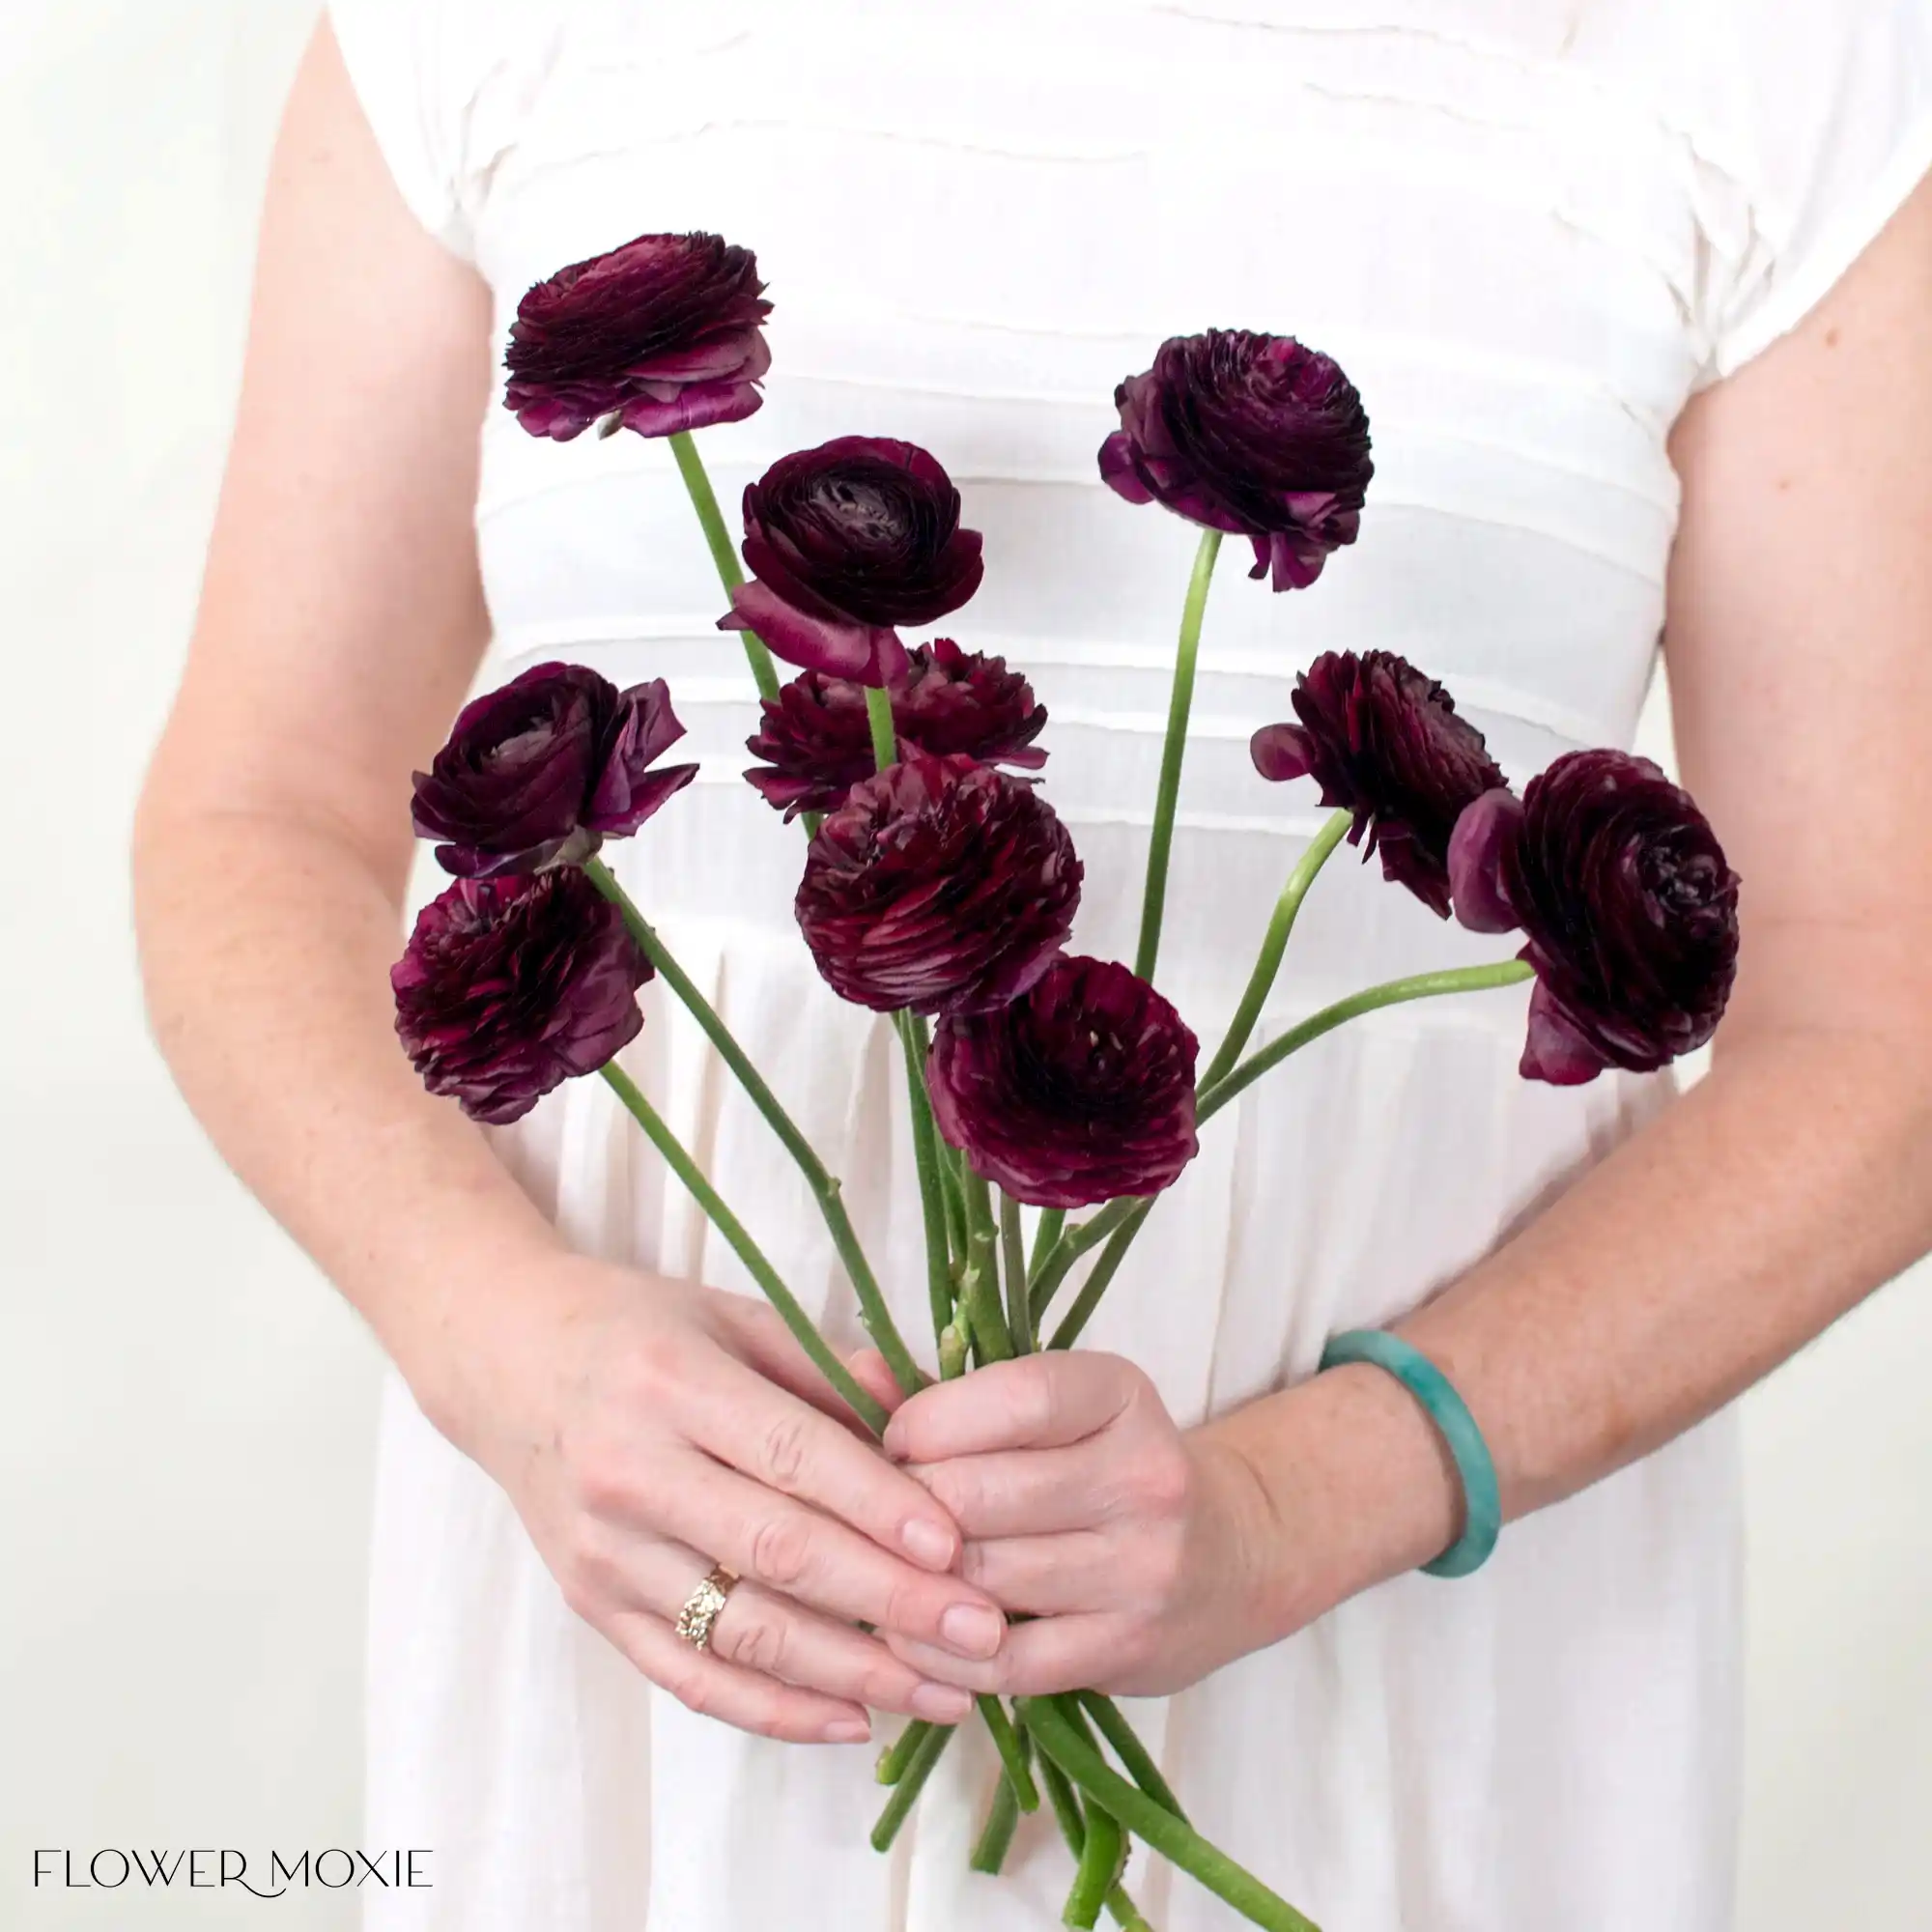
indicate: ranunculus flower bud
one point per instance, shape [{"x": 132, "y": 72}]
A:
[
  {"x": 1249, "y": 434},
  {"x": 538, "y": 772},
  {"x": 940, "y": 885},
  {"x": 512, "y": 986},
  {"x": 1077, "y": 1093},
  {"x": 817, "y": 740},
  {"x": 1630, "y": 911},
  {"x": 845, "y": 543},
  {"x": 664, "y": 333},
  {"x": 1383, "y": 741}
]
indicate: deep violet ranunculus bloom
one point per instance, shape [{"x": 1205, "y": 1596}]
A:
[
  {"x": 1626, "y": 902},
  {"x": 845, "y": 543},
  {"x": 940, "y": 885},
  {"x": 542, "y": 770},
  {"x": 1251, "y": 433},
  {"x": 1384, "y": 741},
  {"x": 816, "y": 740},
  {"x": 664, "y": 333},
  {"x": 1079, "y": 1091},
  {"x": 511, "y": 986}
]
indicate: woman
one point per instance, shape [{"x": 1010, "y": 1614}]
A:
[{"x": 1639, "y": 301}]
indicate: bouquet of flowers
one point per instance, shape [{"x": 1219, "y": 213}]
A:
[{"x": 938, "y": 885}]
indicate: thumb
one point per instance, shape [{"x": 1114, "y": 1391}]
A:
[{"x": 869, "y": 1370}]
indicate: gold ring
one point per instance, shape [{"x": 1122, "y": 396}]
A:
[{"x": 701, "y": 1608}]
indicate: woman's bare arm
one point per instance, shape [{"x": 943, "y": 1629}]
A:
[
  {"x": 341, "y": 620},
  {"x": 1786, "y": 1186},
  {"x": 642, "y": 1426},
  {"x": 1798, "y": 1177}
]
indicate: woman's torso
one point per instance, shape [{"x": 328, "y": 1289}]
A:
[{"x": 974, "y": 221}]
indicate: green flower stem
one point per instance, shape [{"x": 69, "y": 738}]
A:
[
  {"x": 1008, "y": 1743},
  {"x": 996, "y": 1835},
  {"x": 1013, "y": 1259},
  {"x": 1180, "y": 701},
  {"x": 982, "y": 1291},
  {"x": 910, "y": 1783},
  {"x": 1102, "y": 1860},
  {"x": 747, "y": 1250},
  {"x": 1074, "y": 1242},
  {"x": 1261, "y": 981},
  {"x": 956, "y": 1199},
  {"x": 1065, "y": 1804},
  {"x": 1391, "y": 993},
  {"x": 897, "y": 1754},
  {"x": 952, "y": 1352},
  {"x": 1178, "y": 1842},
  {"x": 879, "y": 716},
  {"x": 928, "y": 1156},
  {"x": 1051, "y": 1221},
  {"x": 1128, "y": 1749},
  {"x": 824, "y": 1186},
  {"x": 952, "y": 1162},
  {"x": 1073, "y": 1829},
  {"x": 1097, "y": 1282},
  {"x": 931, "y": 1196},
  {"x": 723, "y": 554}
]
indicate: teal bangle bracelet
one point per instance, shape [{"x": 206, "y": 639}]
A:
[{"x": 1482, "y": 1496}]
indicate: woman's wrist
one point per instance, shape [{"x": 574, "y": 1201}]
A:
[
  {"x": 475, "y": 1328},
  {"x": 1348, "y": 1483}
]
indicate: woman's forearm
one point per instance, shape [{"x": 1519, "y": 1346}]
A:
[
  {"x": 266, "y": 945},
  {"x": 1707, "y": 1250}
]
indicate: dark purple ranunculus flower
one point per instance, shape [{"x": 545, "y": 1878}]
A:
[
  {"x": 1249, "y": 434},
  {"x": 1629, "y": 909},
  {"x": 539, "y": 771},
  {"x": 664, "y": 333},
  {"x": 816, "y": 740},
  {"x": 940, "y": 885},
  {"x": 1383, "y": 741},
  {"x": 1079, "y": 1091},
  {"x": 845, "y": 543},
  {"x": 511, "y": 986}
]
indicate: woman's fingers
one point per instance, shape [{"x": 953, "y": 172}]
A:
[
  {"x": 758, "y": 1532},
  {"x": 760, "y": 1631},
  {"x": 871, "y": 1371},
  {"x": 1046, "y": 1575},
  {"x": 1038, "y": 1660},
  {"x": 1026, "y": 1491},
  {"x": 768, "y": 1434},
  {"x": 753, "y": 1331},
  {"x": 1039, "y": 1401},
  {"x": 728, "y": 1692}
]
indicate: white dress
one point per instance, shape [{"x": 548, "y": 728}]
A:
[{"x": 1529, "y": 230}]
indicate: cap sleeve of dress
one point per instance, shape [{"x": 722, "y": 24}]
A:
[
  {"x": 1820, "y": 119},
  {"x": 447, "y": 87},
  {"x": 396, "y": 54}
]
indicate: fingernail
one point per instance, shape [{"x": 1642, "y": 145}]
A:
[
  {"x": 941, "y": 1703},
  {"x": 973, "y": 1630},
  {"x": 847, "y": 1731},
  {"x": 926, "y": 1542}
]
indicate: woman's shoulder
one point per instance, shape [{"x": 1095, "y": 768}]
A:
[
  {"x": 446, "y": 86},
  {"x": 1806, "y": 125}
]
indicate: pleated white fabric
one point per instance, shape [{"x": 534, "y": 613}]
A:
[{"x": 1529, "y": 231}]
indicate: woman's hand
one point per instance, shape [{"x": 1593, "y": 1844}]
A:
[
  {"x": 1135, "y": 1548},
  {"x": 645, "y": 1430}
]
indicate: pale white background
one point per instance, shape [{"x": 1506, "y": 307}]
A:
[{"x": 185, "y": 1410}]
